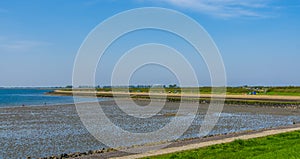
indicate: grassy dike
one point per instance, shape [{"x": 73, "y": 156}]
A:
[
  {"x": 261, "y": 90},
  {"x": 279, "y": 101},
  {"x": 286, "y": 145}
]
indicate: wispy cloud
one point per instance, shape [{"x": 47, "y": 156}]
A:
[
  {"x": 225, "y": 8},
  {"x": 20, "y": 45}
]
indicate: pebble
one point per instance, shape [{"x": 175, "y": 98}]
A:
[{"x": 77, "y": 154}]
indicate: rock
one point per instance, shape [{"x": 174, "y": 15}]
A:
[
  {"x": 64, "y": 155},
  {"x": 90, "y": 152},
  {"x": 109, "y": 149},
  {"x": 76, "y": 154}
]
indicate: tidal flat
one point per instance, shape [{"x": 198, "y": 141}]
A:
[{"x": 41, "y": 131}]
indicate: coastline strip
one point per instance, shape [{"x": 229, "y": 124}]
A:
[
  {"x": 208, "y": 143},
  {"x": 237, "y": 97}
]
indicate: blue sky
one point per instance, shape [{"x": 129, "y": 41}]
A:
[{"x": 259, "y": 40}]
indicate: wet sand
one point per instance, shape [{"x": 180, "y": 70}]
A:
[{"x": 42, "y": 131}]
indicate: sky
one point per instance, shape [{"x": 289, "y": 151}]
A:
[{"x": 259, "y": 40}]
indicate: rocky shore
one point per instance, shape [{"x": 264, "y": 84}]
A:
[{"x": 77, "y": 154}]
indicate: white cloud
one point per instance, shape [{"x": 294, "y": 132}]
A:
[
  {"x": 224, "y": 8},
  {"x": 20, "y": 45}
]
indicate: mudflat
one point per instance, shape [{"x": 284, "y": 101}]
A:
[{"x": 41, "y": 131}]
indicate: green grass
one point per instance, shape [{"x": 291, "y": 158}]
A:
[
  {"x": 285, "y": 91},
  {"x": 290, "y": 91},
  {"x": 283, "y": 146}
]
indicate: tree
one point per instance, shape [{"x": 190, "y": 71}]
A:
[
  {"x": 69, "y": 86},
  {"x": 172, "y": 86}
]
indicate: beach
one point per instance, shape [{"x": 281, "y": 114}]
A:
[{"x": 41, "y": 131}]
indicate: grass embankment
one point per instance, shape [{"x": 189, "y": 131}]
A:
[
  {"x": 287, "y": 91},
  {"x": 259, "y": 90},
  {"x": 266, "y": 96},
  {"x": 286, "y": 145}
]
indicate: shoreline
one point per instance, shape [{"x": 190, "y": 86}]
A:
[
  {"x": 177, "y": 145},
  {"x": 213, "y": 141},
  {"x": 189, "y": 144}
]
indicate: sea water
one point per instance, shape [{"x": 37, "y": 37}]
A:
[{"x": 12, "y": 97}]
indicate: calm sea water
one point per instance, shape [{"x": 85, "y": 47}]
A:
[{"x": 32, "y": 97}]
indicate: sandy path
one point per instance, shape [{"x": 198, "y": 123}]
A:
[{"x": 209, "y": 143}]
